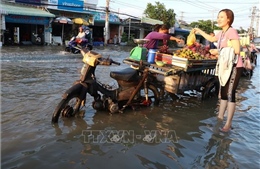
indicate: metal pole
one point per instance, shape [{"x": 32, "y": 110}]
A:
[
  {"x": 129, "y": 28},
  {"x": 107, "y": 23}
]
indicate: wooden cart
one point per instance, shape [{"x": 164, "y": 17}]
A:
[{"x": 183, "y": 75}]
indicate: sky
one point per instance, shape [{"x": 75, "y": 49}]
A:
[{"x": 192, "y": 10}]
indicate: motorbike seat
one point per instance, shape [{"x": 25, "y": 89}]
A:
[{"x": 127, "y": 74}]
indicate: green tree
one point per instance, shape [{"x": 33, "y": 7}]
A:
[
  {"x": 205, "y": 25},
  {"x": 159, "y": 12}
]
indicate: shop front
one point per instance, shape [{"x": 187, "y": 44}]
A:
[
  {"x": 115, "y": 28},
  {"x": 70, "y": 9},
  {"x": 69, "y": 30},
  {"x": 96, "y": 22},
  {"x": 24, "y": 25}
]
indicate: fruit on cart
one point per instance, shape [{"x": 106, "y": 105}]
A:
[
  {"x": 159, "y": 63},
  {"x": 195, "y": 51}
]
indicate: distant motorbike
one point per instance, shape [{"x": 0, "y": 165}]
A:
[
  {"x": 254, "y": 57},
  {"x": 135, "y": 88},
  {"x": 253, "y": 60},
  {"x": 75, "y": 43}
]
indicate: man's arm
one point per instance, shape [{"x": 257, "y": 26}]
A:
[{"x": 176, "y": 39}]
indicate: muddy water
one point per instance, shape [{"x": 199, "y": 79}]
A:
[{"x": 176, "y": 134}]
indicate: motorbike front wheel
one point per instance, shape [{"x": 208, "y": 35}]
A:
[
  {"x": 153, "y": 96},
  {"x": 67, "y": 107}
]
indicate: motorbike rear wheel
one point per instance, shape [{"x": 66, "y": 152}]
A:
[
  {"x": 67, "y": 107},
  {"x": 153, "y": 96},
  {"x": 211, "y": 89}
]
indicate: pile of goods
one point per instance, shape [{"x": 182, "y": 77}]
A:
[
  {"x": 192, "y": 56},
  {"x": 195, "y": 51}
]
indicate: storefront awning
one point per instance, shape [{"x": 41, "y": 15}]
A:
[
  {"x": 150, "y": 21},
  {"x": 100, "y": 17},
  {"x": 14, "y": 9}
]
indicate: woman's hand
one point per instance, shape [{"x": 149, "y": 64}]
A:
[
  {"x": 213, "y": 51},
  {"x": 196, "y": 30}
]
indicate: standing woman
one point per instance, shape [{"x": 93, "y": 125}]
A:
[{"x": 227, "y": 37}]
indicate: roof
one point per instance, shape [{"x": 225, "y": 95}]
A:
[
  {"x": 14, "y": 9},
  {"x": 151, "y": 21},
  {"x": 143, "y": 21}
]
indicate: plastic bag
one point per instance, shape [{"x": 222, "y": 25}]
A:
[{"x": 191, "y": 39}]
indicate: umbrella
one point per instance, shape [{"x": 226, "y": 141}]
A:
[
  {"x": 63, "y": 20},
  {"x": 80, "y": 21}
]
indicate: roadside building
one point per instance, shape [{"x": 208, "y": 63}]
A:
[
  {"x": 115, "y": 27},
  {"x": 24, "y": 24},
  {"x": 70, "y": 9},
  {"x": 33, "y": 22},
  {"x": 139, "y": 27}
]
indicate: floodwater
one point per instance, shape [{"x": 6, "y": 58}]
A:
[{"x": 176, "y": 134}]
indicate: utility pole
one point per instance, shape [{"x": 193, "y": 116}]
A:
[
  {"x": 257, "y": 22},
  {"x": 212, "y": 21},
  {"x": 181, "y": 18},
  {"x": 106, "y": 31},
  {"x": 251, "y": 29}
]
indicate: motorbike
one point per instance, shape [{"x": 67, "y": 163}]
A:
[
  {"x": 254, "y": 57},
  {"x": 76, "y": 43},
  {"x": 253, "y": 61},
  {"x": 134, "y": 89}
]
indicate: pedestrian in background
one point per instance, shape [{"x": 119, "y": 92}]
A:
[
  {"x": 227, "y": 37},
  {"x": 252, "y": 48},
  {"x": 115, "y": 39},
  {"x": 119, "y": 39},
  {"x": 211, "y": 44}
]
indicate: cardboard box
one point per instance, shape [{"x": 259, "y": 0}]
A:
[
  {"x": 166, "y": 58},
  {"x": 174, "y": 83}
]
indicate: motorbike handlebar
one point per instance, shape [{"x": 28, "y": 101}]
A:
[
  {"x": 114, "y": 62},
  {"x": 103, "y": 61},
  {"x": 107, "y": 61}
]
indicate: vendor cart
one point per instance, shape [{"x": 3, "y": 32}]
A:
[{"x": 178, "y": 75}]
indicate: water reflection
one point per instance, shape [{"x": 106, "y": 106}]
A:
[
  {"x": 170, "y": 139},
  {"x": 220, "y": 156}
]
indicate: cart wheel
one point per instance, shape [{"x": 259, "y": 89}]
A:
[{"x": 211, "y": 88}]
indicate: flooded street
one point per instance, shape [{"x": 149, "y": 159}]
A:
[{"x": 176, "y": 134}]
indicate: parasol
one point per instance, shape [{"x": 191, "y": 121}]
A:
[
  {"x": 80, "y": 21},
  {"x": 63, "y": 20}
]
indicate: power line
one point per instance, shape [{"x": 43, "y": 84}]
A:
[{"x": 253, "y": 2}]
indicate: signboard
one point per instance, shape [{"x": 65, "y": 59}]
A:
[
  {"x": 72, "y": 5},
  {"x": 99, "y": 16},
  {"x": 53, "y": 4},
  {"x": 27, "y": 19},
  {"x": 94, "y": 2}
]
